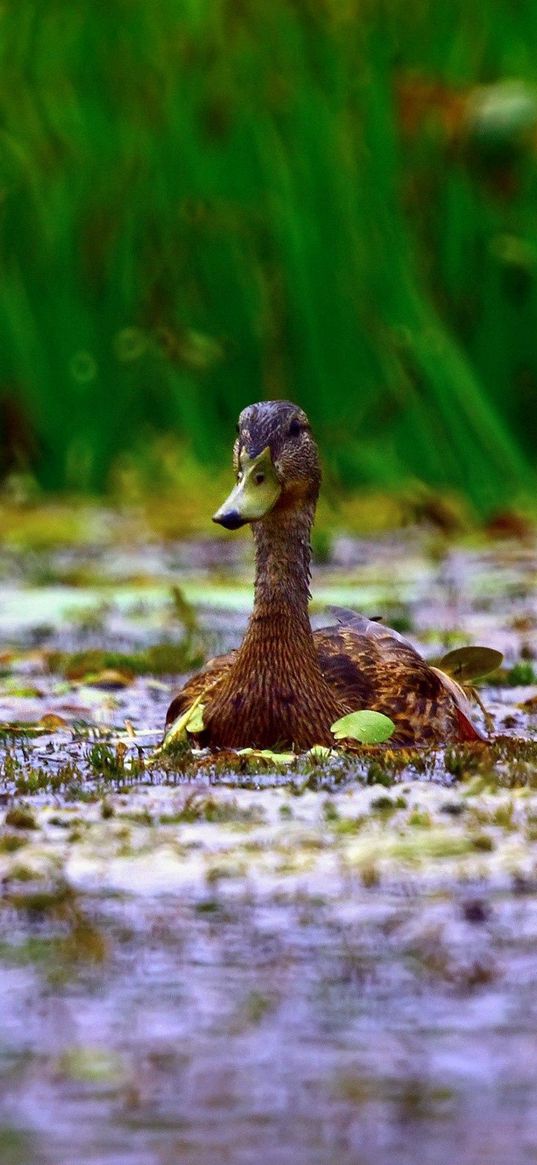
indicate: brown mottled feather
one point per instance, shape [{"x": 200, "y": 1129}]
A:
[
  {"x": 285, "y": 685},
  {"x": 365, "y": 659},
  {"x": 367, "y": 665},
  {"x": 373, "y": 673},
  {"x": 201, "y": 684}
]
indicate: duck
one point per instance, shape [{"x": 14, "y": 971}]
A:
[{"x": 287, "y": 684}]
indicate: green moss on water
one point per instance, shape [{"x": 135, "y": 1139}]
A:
[
  {"x": 21, "y": 873},
  {"x": 223, "y": 871},
  {"x": 16, "y": 689},
  {"x": 160, "y": 659},
  {"x": 20, "y": 817},
  {"x": 383, "y": 805},
  {"x": 521, "y": 674},
  {"x": 257, "y": 1006},
  {"x": 348, "y": 825},
  {"x": 379, "y": 774},
  {"x": 483, "y": 842},
  {"x": 97, "y": 1066},
  {"x": 388, "y": 766},
  {"x": 209, "y": 906},
  {"x": 66, "y": 779},
  {"x": 427, "y": 844},
  {"x": 200, "y": 807},
  {"x": 420, "y": 1101},
  {"x": 72, "y": 938},
  {"x": 11, "y": 842},
  {"x": 43, "y": 899},
  {"x": 420, "y": 819},
  {"x": 31, "y": 950},
  {"x": 14, "y": 733},
  {"x": 330, "y": 811},
  {"x": 139, "y": 817},
  {"x": 461, "y": 760},
  {"x": 112, "y": 764},
  {"x": 510, "y": 762},
  {"x": 17, "y": 1147},
  {"x": 30, "y": 780},
  {"x": 502, "y": 816},
  {"x": 501, "y": 762}
]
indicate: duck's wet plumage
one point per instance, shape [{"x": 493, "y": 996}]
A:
[
  {"x": 286, "y": 685},
  {"x": 367, "y": 666}
]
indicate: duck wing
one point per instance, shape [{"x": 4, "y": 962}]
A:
[
  {"x": 200, "y": 685},
  {"x": 373, "y": 666}
]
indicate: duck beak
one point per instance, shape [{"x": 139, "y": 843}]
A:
[{"x": 256, "y": 492}]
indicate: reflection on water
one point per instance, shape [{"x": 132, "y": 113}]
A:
[{"x": 391, "y": 1027}]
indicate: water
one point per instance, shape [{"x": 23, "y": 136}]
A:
[{"x": 286, "y": 967}]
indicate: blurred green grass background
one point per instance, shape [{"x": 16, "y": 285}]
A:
[{"x": 204, "y": 202}]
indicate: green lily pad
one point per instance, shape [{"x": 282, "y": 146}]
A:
[
  {"x": 366, "y": 726},
  {"x": 466, "y": 664}
]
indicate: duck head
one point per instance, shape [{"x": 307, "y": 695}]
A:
[{"x": 276, "y": 463}]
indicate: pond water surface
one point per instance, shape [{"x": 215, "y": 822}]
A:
[{"x": 329, "y": 963}]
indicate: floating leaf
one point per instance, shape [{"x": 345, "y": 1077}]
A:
[
  {"x": 470, "y": 663},
  {"x": 111, "y": 679},
  {"x": 190, "y": 721},
  {"x": 366, "y": 726},
  {"x": 277, "y": 758},
  {"x": 195, "y": 723},
  {"x": 52, "y": 722}
]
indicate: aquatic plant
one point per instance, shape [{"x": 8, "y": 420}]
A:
[{"x": 333, "y": 202}]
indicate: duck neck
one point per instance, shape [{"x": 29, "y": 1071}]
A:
[
  {"x": 275, "y": 692},
  {"x": 283, "y": 573}
]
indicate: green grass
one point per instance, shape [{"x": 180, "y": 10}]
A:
[{"x": 205, "y": 203}]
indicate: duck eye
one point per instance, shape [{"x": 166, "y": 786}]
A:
[
  {"x": 259, "y": 478},
  {"x": 295, "y": 427}
]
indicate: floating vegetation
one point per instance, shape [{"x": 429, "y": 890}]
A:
[
  {"x": 467, "y": 664},
  {"x": 93, "y": 664},
  {"x": 366, "y": 726},
  {"x": 74, "y": 937},
  {"x": 521, "y": 674},
  {"x": 20, "y": 817}
]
